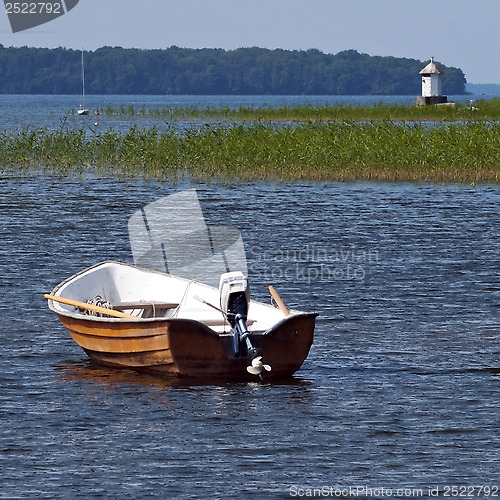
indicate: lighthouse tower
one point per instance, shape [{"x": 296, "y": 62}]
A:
[{"x": 431, "y": 85}]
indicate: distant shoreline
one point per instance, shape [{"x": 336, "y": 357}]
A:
[
  {"x": 243, "y": 71},
  {"x": 483, "y": 89}
]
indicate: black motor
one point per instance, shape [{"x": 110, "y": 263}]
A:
[{"x": 234, "y": 301}]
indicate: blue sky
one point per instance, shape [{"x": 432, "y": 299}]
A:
[{"x": 458, "y": 33}]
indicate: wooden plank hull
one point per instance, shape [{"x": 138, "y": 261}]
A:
[{"x": 183, "y": 347}]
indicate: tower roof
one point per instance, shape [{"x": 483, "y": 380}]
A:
[{"x": 432, "y": 69}]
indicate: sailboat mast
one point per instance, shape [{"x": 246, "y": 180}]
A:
[
  {"x": 83, "y": 82},
  {"x": 82, "y": 110}
]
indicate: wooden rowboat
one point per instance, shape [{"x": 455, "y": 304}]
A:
[{"x": 126, "y": 316}]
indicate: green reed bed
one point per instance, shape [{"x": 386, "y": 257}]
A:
[
  {"x": 465, "y": 152},
  {"x": 480, "y": 110}
]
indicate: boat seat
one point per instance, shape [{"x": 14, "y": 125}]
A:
[
  {"x": 149, "y": 309},
  {"x": 214, "y": 322},
  {"x": 121, "y": 306}
]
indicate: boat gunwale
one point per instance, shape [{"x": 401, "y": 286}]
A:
[
  {"x": 103, "y": 263},
  {"x": 124, "y": 321},
  {"x": 100, "y": 319}
]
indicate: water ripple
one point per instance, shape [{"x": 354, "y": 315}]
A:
[{"x": 401, "y": 386}]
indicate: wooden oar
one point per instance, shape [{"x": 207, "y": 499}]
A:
[
  {"x": 90, "y": 307},
  {"x": 278, "y": 300}
]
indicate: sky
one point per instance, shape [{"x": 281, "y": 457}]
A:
[{"x": 458, "y": 33}]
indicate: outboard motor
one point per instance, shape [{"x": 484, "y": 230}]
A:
[{"x": 234, "y": 301}]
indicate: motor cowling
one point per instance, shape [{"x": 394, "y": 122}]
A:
[
  {"x": 234, "y": 301},
  {"x": 234, "y": 295}
]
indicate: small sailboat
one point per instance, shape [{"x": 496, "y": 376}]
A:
[{"x": 82, "y": 110}]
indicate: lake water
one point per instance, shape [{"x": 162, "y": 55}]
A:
[
  {"x": 59, "y": 112},
  {"x": 400, "y": 391}
]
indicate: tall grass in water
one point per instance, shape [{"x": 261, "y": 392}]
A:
[
  {"x": 348, "y": 150},
  {"x": 481, "y": 110}
]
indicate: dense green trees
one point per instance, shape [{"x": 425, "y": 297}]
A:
[{"x": 250, "y": 71}]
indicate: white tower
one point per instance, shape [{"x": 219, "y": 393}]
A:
[
  {"x": 431, "y": 80},
  {"x": 431, "y": 85}
]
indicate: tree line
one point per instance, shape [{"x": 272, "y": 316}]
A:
[{"x": 244, "y": 71}]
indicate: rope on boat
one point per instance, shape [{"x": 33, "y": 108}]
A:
[
  {"x": 183, "y": 299},
  {"x": 97, "y": 301}
]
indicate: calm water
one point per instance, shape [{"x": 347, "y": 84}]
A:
[
  {"x": 401, "y": 388},
  {"x": 58, "y": 112}
]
